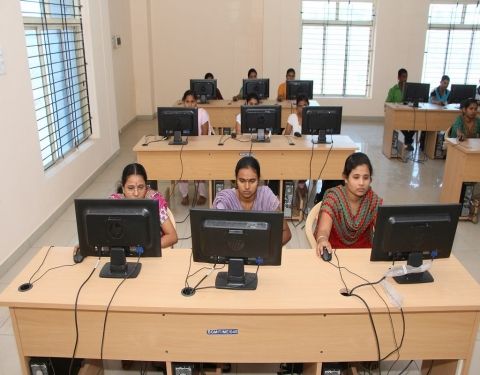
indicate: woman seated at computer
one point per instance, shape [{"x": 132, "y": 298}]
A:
[
  {"x": 348, "y": 213},
  {"x": 248, "y": 195},
  {"x": 441, "y": 93},
  {"x": 467, "y": 125},
  {"x": 252, "y": 74},
  {"x": 190, "y": 101},
  {"x": 134, "y": 186},
  {"x": 252, "y": 99},
  {"x": 218, "y": 94}
]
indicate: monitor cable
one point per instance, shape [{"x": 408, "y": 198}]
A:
[
  {"x": 146, "y": 141},
  {"x": 188, "y": 291}
]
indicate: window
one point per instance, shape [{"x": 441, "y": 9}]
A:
[
  {"x": 337, "y": 42},
  {"x": 53, "y": 33},
  {"x": 452, "y": 44}
]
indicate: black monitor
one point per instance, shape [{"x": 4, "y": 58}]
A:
[
  {"x": 458, "y": 93},
  {"x": 118, "y": 228},
  {"x": 259, "y": 119},
  {"x": 414, "y": 233},
  {"x": 415, "y": 93},
  {"x": 236, "y": 238},
  {"x": 204, "y": 89},
  {"x": 321, "y": 121},
  {"x": 261, "y": 87},
  {"x": 297, "y": 87},
  {"x": 177, "y": 121}
]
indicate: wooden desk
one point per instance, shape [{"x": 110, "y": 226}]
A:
[
  {"x": 296, "y": 315},
  {"x": 223, "y": 112},
  {"x": 462, "y": 165},
  {"x": 429, "y": 117}
]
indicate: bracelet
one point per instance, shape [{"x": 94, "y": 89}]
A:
[{"x": 321, "y": 237}]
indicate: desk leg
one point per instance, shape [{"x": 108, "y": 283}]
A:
[
  {"x": 312, "y": 368},
  {"x": 453, "y": 176},
  {"x": 24, "y": 361},
  {"x": 169, "y": 368},
  {"x": 440, "y": 367},
  {"x": 387, "y": 141}
]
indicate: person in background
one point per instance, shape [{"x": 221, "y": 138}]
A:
[
  {"x": 204, "y": 128},
  {"x": 218, "y": 94},
  {"x": 252, "y": 74},
  {"x": 282, "y": 88},
  {"x": 441, "y": 93},
  {"x": 467, "y": 125},
  {"x": 348, "y": 213},
  {"x": 133, "y": 185},
  {"x": 395, "y": 95},
  {"x": 252, "y": 99},
  {"x": 248, "y": 195},
  {"x": 477, "y": 94}
]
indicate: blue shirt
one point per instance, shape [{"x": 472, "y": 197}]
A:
[{"x": 435, "y": 94}]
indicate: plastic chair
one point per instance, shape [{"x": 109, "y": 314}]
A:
[{"x": 311, "y": 223}]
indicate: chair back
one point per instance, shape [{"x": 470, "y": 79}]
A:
[{"x": 311, "y": 223}]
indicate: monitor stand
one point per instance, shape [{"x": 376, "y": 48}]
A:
[
  {"x": 415, "y": 104},
  {"x": 236, "y": 277},
  {"x": 415, "y": 260},
  {"x": 118, "y": 268},
  {"x": 321, "y": 139},
  {"x": 177, "y": 139},
  {"x": 261, "y": 136}
]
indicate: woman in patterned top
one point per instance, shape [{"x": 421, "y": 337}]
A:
[
  {"x": 348, "y": 213},
  {"x": 134, "y": 186}
]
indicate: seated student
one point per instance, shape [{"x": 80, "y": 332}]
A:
[
  {"x": 248, "y": 195},
  {"x": 252, "y": 74},
  {"x": 441, "y": 93},
  {"x": 282, "y": 88},
  {"x": 348, "y": 213},
  {"x": 218, "y": 94},
  {"x": 252, "y": 99},
  {"x": 395, "y": 95},
  {"x": 204, "y": 128},
  {"x": 134, "y": 186},
  {"x": 467, "y": 125}
]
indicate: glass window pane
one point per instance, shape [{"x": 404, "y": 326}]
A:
[
  {"x": 334, "y": 64},
  {"x": 312, "y": 56},
  {"x": 319, "y": 10},
  {"x": 445, "y": 14},
  {"x": 357, "y": 61},
  {"x": 472, "y": 16},
  {"x": 355, "y": 11}
]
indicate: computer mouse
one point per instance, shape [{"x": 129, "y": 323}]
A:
[
  {"x": 326, "y": 256},
  {"x": 78, "y": 256},
  {"x": 297, "y": 134},
  {"x": 233, "y": 135}
]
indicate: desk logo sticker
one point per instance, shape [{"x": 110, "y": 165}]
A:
[{"x": 222, "y": 331}]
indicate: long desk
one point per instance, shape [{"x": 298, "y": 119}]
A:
[
  {"x": 429, "y": 117},
  {"x": 296, "y": 314},
  {"x": 462, "y": 165},
  {"x": 223, "y": 112}
]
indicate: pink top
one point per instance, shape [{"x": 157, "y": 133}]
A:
[
  {"x": 265, "y": 200},
  {"x": 151, "y": 194}
]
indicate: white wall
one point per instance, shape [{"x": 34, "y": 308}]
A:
[
  {"x": 228, "y": 37},
  {"x": 28, "y": 195}
]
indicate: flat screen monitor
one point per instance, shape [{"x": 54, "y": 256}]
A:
[
  {"x": 236, "y": 238},
  {"x": 297, "y": 87},
  {"x": 414, "y": 233},
  {"x": 321, "y": 121},
  {"x": 204, "y": 89},
  {"x": 177, "y": 122},
  {"x": 261, "y": 87},
  {"x": 260, "y": 119},
  {"x": 118, "y": 228},
  {"x": 458, "y": 93},
  {"x": 416, "y": 93}
]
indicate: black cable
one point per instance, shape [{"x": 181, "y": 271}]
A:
[
  {"x": 76, "y": 317},
  {"x": 146, "y": 143},
  {"x": 405, "y": 369},
  {"x": 430, "y": 368},
  {"x": 53, "y": 268},
  {"x": 41, "y": 264}
]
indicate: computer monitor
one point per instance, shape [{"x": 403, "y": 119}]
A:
[
  {"x": 321, "y": 121},
  {"x": 177, "y": 121},
  {"x": 416, "y": 93},
  {"x": 458, "y": 93},
  {"x": 296, "y": 87},
  {"x": 414, "y": 233},
  {"x": 236, "y": 238},
  {"x": 204, "y": 89},
  {"x": 118, "y": 228},
  {"x": 261, "y": 87},
  {"x": 260, "y": 119}
]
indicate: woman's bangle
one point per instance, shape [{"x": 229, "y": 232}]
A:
[{"x": 322, "y": 237}]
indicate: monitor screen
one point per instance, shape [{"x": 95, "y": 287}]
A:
[
  {"x": 204, "y": 89},
  {"x": 416, "y": 93},
  {"x": 261, "y": 87},
  {"x": 236, "y": 238},
  {"x": 321, "y": 121},
  {"x": 414, "y": 233},
  {"x": 296, "y": 87},
  {"x": 177, "y": 121},
  {"x": 260, "y": 119},
  {"x": 458, "y": 93},
  {"x": 118, "y": 228}
]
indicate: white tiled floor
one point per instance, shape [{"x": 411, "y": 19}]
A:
[{"x": 395, "y": 181}]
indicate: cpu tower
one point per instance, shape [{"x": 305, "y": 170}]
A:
[{"x": 288, "y": 195}]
